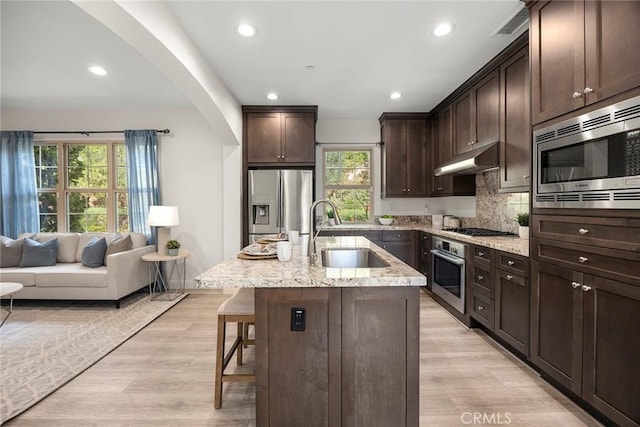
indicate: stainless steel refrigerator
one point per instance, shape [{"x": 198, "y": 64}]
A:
[{"x": 279, "y": 201}]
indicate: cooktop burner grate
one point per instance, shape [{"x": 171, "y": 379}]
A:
[{"x": 472, "y": 231}]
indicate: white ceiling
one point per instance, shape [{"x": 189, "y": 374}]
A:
[{"x": 361, "y": 51}]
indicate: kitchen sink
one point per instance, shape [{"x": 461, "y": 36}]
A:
[{"x": 351, "y": 258}]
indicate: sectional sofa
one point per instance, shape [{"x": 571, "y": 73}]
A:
[{"x": 70, "y": 279}]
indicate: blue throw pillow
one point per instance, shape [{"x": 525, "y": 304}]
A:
[
  {"x": 93, "y": 252},
  {"x": 36, "y": 254}
]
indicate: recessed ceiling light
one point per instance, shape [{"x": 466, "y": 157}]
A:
[
  {"x": 246, "y": 30},
  {"x": 272, "y": 96},
  {"x": 395, "y": 95},
  {"x": 442, "y": 29},
  {"x": 97, "y": 70}
]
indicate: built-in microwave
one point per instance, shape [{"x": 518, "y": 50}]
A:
[{"x": 590, "y": 161}]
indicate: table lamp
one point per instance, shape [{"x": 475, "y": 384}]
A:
[{"x": 163, "y": 217}]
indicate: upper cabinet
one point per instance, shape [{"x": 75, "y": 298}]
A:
[
  {"x": 515, "y": 126},
  {"x": 582, "y": 52},
  {"x": 404, "y": 154},
  {"x": 280, "y": 135},
  {"x": 477, "y": 115},
  {"x": 441, "y": 151}
]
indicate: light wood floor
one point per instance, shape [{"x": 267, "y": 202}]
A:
[{"x": 163, "y": 376}]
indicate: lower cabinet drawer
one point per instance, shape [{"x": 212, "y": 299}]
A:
[
  {"x": 604, "y": 262},
  {"x": 397, "y": 235},
  {"x": 482, "y": 309},
  {"x": 481, "y": 280}
]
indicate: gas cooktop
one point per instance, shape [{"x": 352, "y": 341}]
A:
[{"x": 471, "y": 231}]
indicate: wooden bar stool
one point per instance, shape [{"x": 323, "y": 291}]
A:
[{"x": 239, "y": 308}]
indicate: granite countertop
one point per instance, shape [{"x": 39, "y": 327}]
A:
[
  {"x": 511, "y": 244},
  {"x": 296, "y": 273}
]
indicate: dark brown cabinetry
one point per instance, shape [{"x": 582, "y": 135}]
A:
[
  {"x": 582, "y": 52},
  {"x": 424, "y": 256},
  {"x": 499, "y": 295},
  {"x": 585, "y": 298},
  {"x": 512, "y": 296},
  {"x": 404, "y": 154},
  {"x": 280, "y": 135},
  {"x": 515, "y": 123},
  {"x": 441, "y": 151},
  {"x": 584, "y": 336},
  {"x": 476, "y": 115},
  {"x": 339, "y": 370},
  {"x": 481, "y": 289}
]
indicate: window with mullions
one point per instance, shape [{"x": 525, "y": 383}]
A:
[
  {"x": 82, "y": 186},
  {"x": 348, "y": 183}
]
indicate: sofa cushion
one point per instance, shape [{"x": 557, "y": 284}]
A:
[
  {"x": 138, "y": 240},
  {"x": 67, "y": 244},
  {"x": 71, "y": 275},
  {"x": 93, "y": 252},
  {"x": 26, "y": 276},
  {"x": 10, "y": 252},
  {"x": 121, "y": 244},
  {"x": 36, "y": 254}
]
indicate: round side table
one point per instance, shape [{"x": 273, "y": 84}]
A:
[{"x": 161, "y": 284}]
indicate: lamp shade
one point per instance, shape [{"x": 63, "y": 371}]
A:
[{"x": 163, "y": 216}]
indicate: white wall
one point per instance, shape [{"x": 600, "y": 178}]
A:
[
  {"x": 199, "y": 170},
  {"x": 366, "y": 133}
]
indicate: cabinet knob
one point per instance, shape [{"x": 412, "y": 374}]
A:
[
  {"x": 480, "y": 253},
  {"x": 576, "y": 95},
  {"x": 525, "y": 176},
  {"x": 509, "y": 277},
  {"x": 480, "y": 277},
  {"x": 408, "y": 189},
  {"x": 586, "y": 288},
  {"x": 282, "y": 157},
  {"x": 583, "y": 259},
  {"x": 510, "y": 262},
  {"x": 575, "y": 285},
  {"x": 398, "y": 235},
  {"x": 480, "y": 307},
  {"x": 583, "y": 231},
  {"x": 440, "y": 188},
  {"x": 588, "y": 90}
]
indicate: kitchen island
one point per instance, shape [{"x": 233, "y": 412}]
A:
[{"x": 357, "y": 360}]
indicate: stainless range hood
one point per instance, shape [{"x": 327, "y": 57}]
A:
[{"x": 477, "y": 160}]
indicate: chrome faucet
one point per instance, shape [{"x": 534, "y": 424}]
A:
[{"x": 313, "y": 235}]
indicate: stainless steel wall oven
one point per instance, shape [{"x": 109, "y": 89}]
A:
[
  {"x": 447, "y": 272},
  {"x": 591, "y": 161}
]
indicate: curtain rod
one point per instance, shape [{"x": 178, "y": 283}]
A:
[{"x": 87, "y": 133}]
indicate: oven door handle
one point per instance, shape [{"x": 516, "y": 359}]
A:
[{"x": 454, "y": 260}]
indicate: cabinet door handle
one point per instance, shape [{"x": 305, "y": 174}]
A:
[
  {"x": 510, "y": 262},
  {"x": 576, "y": 95},
  {"x": 586, "y": 288},
  {"x": 588, "y": 90},
  {"x": 440, "y": 188},
  {"x": 583, "y": 259},
  {"x": 575, "y": 285},
  {"x": 509, "y": 277},
  {"x": 583, "y": 231}
]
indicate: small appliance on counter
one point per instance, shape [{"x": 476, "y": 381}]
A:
[
  {"x": 437, "y": 220},
  {"x": 451, "y": 221}
]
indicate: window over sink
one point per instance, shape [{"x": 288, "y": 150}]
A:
[{"x": 347, "y": 182}]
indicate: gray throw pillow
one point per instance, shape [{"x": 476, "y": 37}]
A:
[
  {"x": 10, "y": 252},
  {"x": 35, "y": 254},
  {"x": 120, "y": 244},
  {"x": 93, "y": 252}
]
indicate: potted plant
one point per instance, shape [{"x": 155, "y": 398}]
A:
[
  {"x": 523, "y": 222},
  {"x": 173, "y": 246},
  {"x": 386, "y": 219},
  {"x": 331, "y": 217}
]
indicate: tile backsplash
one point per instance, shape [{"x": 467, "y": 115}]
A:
[{"x": 495, "y": 210}]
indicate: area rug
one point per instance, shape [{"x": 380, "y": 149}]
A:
[{"x": 44, "y": 344}]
